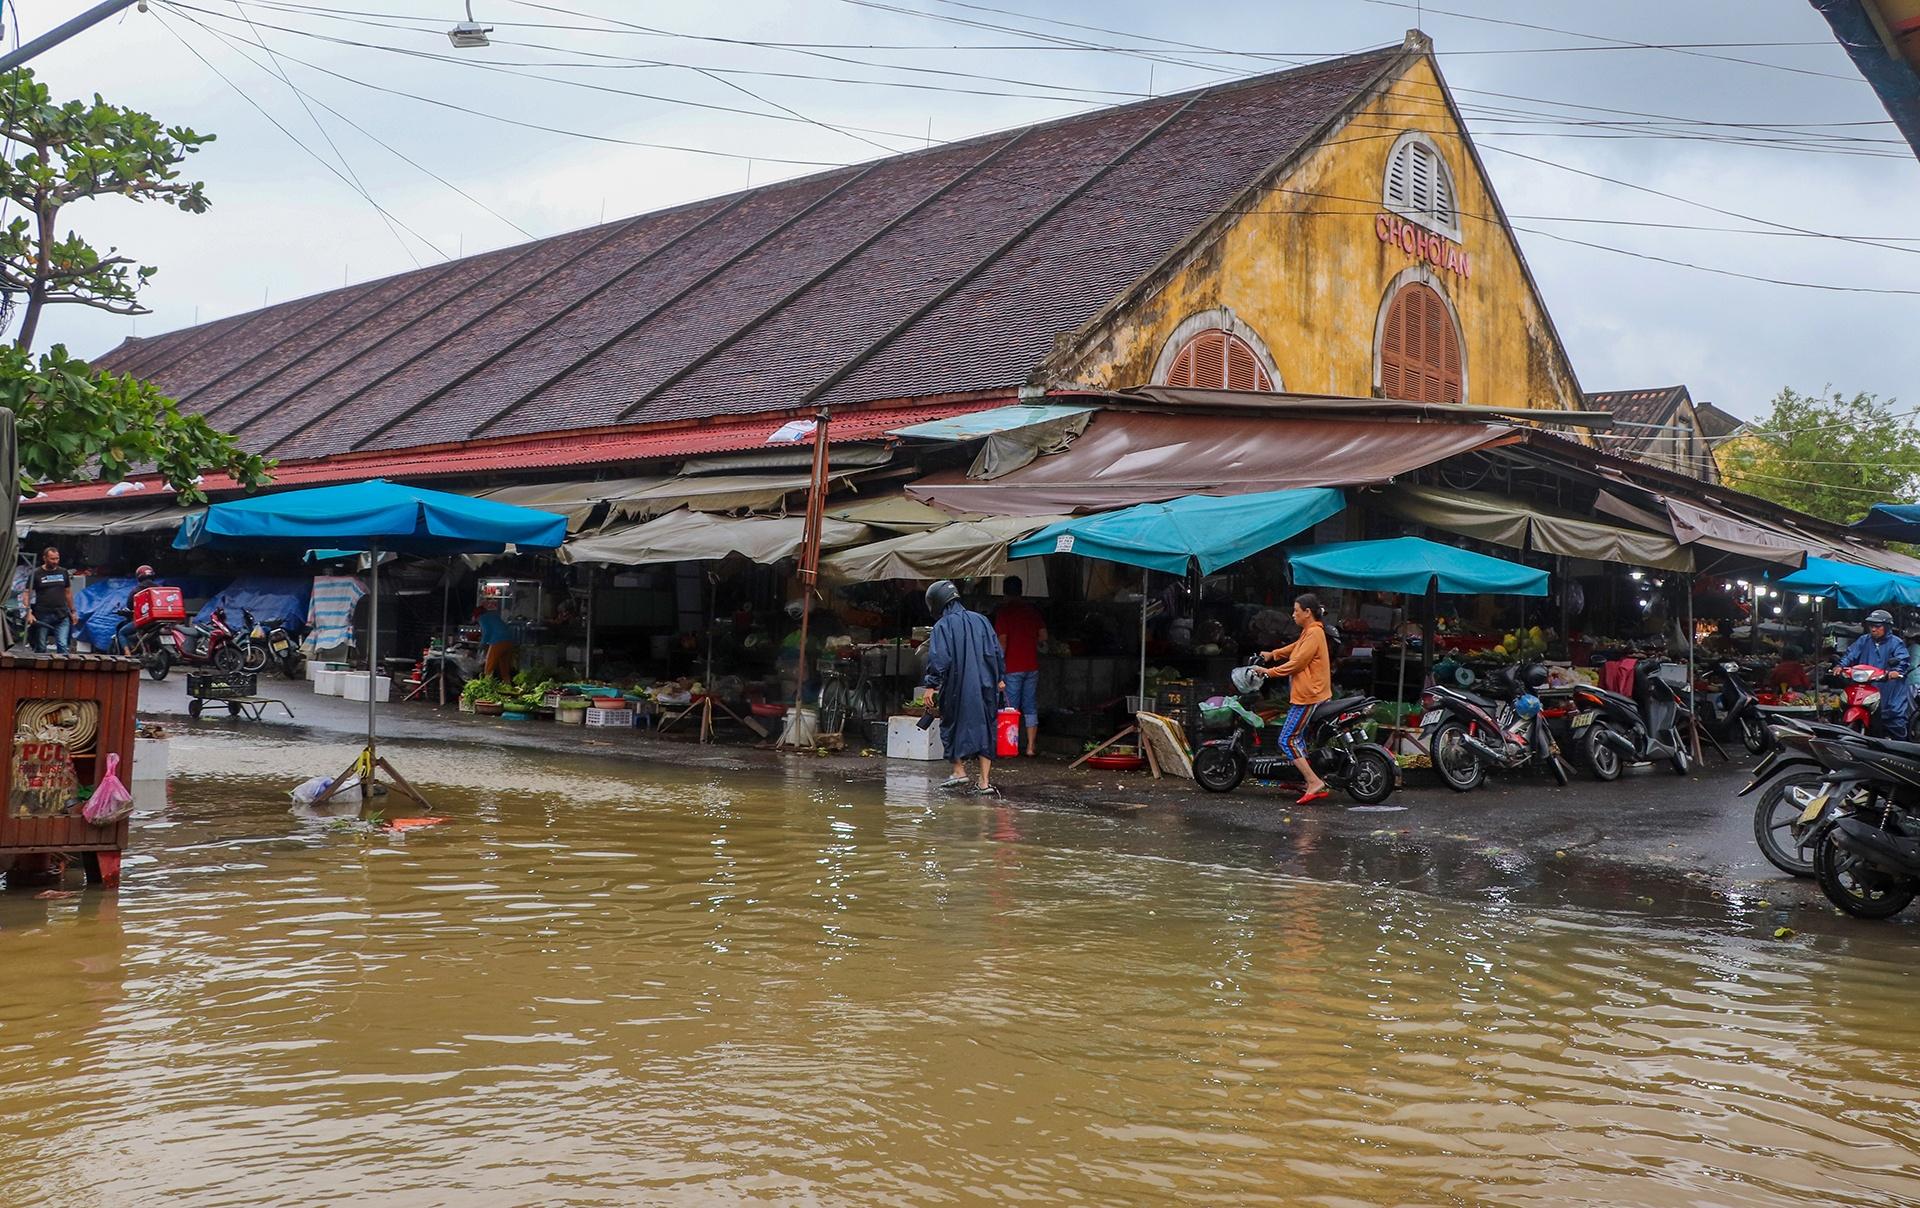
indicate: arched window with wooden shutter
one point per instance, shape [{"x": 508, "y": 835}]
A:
[
  {"x": 1218, "y": 360},
  {"x": 1419, "y": 185},
  {"x": 1419, "y": 354}
]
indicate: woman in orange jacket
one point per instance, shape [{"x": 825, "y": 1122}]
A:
[{"x": 1304, "y": 660}]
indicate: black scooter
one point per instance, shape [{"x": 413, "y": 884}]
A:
[
  {"x": 1861, "y": 817},
  {"x": 1335, "y": 737},
  {"x": 1612, "y": 730},
  {"x": 1734, "y": 712},
  {"x": 1467, "y": 733}
]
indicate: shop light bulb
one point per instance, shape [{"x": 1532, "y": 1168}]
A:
[
  {"x": 1743, "y": 583},
  {"x": 1636, "y": 576},
  {"x": 1803, "y": 599},
  {"x": 1725, "y": 586}
]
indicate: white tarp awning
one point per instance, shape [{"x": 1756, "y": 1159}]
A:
[
  {"x": 687, "y": 536},
  {"x": 960, "y": 550},
  {"x": 640, "y": 498}
]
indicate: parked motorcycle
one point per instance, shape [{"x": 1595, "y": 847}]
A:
[
  {"x": 1798, "y": 784},
  {"x": 1468, "y": 733},
  {"x": 163, "y": 645},
  {"x": 270, "y": 643},
  {"x": 1335, "y": 736},
  {"x": 1613, "y": 729},
  {"x": 1733, "y": 712},
  {"x": 1860, "y": 827}
]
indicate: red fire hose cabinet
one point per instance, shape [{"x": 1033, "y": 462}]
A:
[{"x": 66, "y": 714}]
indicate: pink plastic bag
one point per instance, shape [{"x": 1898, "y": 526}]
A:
[{"x": 110, "y": 801}]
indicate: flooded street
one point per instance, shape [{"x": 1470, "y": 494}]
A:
[{"x": 609, "y": 983}]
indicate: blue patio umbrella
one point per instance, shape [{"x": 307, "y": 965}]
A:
[
  {"x": 1852, "y": 586},
  {"x": 1893, "y": 521},
  {"x": 1413, "y": 566},
  {"x": 1211, "y": 531},
  {"x": 375, "y": 517}
]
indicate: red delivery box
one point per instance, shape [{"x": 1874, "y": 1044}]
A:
[{"x": 152, "y": 605}]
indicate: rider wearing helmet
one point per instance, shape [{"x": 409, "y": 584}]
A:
[
  {"x": 1881, "y": 647},
  {"x": 143, "y": 578}
]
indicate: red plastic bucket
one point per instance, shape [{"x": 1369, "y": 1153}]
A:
[{"x": 1006, "y": 733}]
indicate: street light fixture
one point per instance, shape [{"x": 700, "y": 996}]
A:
[{"x": 469, "y": 34}]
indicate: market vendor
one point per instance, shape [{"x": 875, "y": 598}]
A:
[
  {"x": 1881, "y": 647},
  {"x": 966, "y": 667},
  {"x": 501, "y": 639}
]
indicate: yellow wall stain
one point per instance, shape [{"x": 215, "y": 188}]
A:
[{"x": 1304, "y": 267}]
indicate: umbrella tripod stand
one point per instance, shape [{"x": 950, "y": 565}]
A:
[
  {"x": 369, "y": 763},
  {"x": 708, "y": 702}
]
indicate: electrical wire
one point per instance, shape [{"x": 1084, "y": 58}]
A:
[{"x": 321, "y": 160}]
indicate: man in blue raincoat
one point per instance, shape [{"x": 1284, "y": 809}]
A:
[
  {"x": 967, "y": 667},
  {"x": 1881, "y": 647}
]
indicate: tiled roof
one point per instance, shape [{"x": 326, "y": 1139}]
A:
[
  {"x": 939, "y": 272},
  {"x": 1656, "y": 405}
]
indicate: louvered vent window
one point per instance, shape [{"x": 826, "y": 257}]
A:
[
  {"x": 1218, "y": 360},
  {"x": 1420, "y": 349},
  {"x": 1420, "y": 187}
]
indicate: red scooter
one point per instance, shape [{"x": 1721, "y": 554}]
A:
[
  {"x": 161, "y": 645},
  {"x": 1862, "y": 695}
]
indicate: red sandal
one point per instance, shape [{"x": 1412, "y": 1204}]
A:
[{"x": 1317, "y": 795}]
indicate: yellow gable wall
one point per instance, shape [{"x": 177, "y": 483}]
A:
[{"x": 1305, "y": 268}]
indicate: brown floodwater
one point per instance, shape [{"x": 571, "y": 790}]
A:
[{"x": 610, "y": 983}]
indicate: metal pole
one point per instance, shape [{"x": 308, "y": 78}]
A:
[
  {"x": 65, "y": 30},
  {"x": 446, "y": 648},
  {"x": 1686, "y": 585},
  {"x": 373, "y": 664},
  {"x": 1143, "y": 639},
  {"x": 810, "y": 551},
  {"x": 589, "y": 659}
]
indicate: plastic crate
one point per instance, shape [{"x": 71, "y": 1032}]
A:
[
  {"x": 217, "y": 685},
  {"x": 612, "y": 719}
]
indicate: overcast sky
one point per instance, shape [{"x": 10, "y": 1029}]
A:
[{"x": 284, "y": 225}]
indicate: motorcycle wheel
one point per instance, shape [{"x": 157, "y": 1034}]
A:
[
  {"x": 1840, "y": 874},
  {"x": 228, "y": 660},
  {"x": 1451, "y": 757},
  {"x": 254, "y": 658},
  {"x": 1774, "y": 819},
  {"x": 1753, "y": 734},
  {"x": 1601, "y": 757},
  {"x": 1370, "y": 779},
  {"x": 158, "y": 664},
  {"x": 1682, "y": 764},
  {"x": 293, "y": 665},
  {"x": 1218, "y": 770}
]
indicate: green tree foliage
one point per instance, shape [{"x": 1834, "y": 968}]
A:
[
  {"x": 71, "y": 151},
  {"x": 1827, "y": 454},
  {"x": 74, "y": 421}
]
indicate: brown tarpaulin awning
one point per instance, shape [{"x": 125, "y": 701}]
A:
[
  {"x": 1126, "y": 458},
  {"x": 1526, "y": 526}
]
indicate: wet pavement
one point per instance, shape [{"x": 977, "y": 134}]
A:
[{"x": 1653, "y": 845}]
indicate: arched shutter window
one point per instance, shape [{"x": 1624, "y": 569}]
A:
[
  {"x": 1419, "y": 349},
  {"x": 1419, "y": 185},
  {"x": 1218, "y": 360}
]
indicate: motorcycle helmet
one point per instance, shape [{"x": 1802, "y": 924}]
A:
[
  {"x": 144, "y": 572},
  {"x": 1527, "y": 705},
  {"x": 1535, "y": 676},
  {"x": 1247, "y": 679},
  {"x": 1879, "y": 616},
  {"x": 940, "y": 595}
]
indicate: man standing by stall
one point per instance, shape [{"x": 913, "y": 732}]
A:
[
  {"x": 965, "y": 666},
  {"x": 1021, "y": 629},
  {"x": 1881, "y": 647},
  {"x": 48, "y": 600}
]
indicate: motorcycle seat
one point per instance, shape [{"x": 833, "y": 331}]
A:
[{"x": 1333, "y": 708}]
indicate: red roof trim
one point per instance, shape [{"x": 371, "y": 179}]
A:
[{"x": 569, "y": 450}]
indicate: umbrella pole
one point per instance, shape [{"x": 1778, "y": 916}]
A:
[
  {"x": 1429, "y": 637},
  {"x": 589, "y": 650},
  {"x": 373, "y": 665},
  {"x": 1143, "y": 639},
  {"x": 809, "y": 559},
  {"x": 446, "y": 650},
  {"x": 1686, "y": 585}
]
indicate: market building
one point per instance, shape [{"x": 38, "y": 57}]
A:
[
  {"x": 1663, "y": 426},
  {"x": 1302, "y": 280}
]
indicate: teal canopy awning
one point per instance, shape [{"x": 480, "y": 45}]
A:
[
  {"x": 1893, "y": 521},
  {"x": 1214, "y": 531},
  {"x": 977, "y": 424},
  {"x": 1852, "y": 586},
  {"x": 372, "y": 515},
  {"x": 1410, "y": 565}
]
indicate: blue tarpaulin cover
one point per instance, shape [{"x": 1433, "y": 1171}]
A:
[
  {"x": 366, "y": 515},
  {"x": 1852, "y": 586},
  {"x": 1214, "y": 531},
  {"x": 1408, "y": 564},
  {"x": 1894, "y": 521},
  {"x": 266, "y": 597},
  {"x": 95, "y": 605}
]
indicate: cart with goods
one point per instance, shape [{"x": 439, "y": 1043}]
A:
[{"x": 236, "y": 690}]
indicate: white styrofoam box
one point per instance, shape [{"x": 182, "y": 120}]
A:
[
  {"x": 353, "y": 686},
  {"x": 610, "y": 718},
  {"x": 149, "y": 759},
  {"x": 906, "y": 740},
  {"x": 316, "y": 666},
  {"x": 326, "y": 682}
]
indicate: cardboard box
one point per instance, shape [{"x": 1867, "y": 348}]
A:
[{"x": 906, "y": 740}]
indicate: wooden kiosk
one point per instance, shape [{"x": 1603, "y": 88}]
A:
[{"x": 64, "y": 710}]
